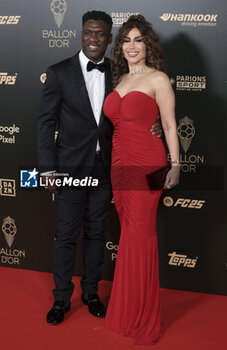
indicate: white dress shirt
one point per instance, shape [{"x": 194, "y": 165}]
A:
[{"x": 95, "y": 84}]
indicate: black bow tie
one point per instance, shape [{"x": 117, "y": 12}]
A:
[{"x": 101, "y": 66}]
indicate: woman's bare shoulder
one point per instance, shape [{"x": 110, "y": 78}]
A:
[{"x": 158, "y": 76}]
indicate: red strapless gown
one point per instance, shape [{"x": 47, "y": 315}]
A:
[{"x": 134, "y": 307}]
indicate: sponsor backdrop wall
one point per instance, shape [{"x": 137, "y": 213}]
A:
[{"x": 191, "y": 218}]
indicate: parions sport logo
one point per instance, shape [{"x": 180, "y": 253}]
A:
[
  {"x": 193, "y": 20},
  {"x": 119, "y": 18},
  {"x": 9, "y": 19},
  {"x": 58, "y": 38},
  {"x": 8, "y": 79},
  {"x": 189, "y": 82}
]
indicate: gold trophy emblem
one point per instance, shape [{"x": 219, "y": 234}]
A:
[
  {"x": 9, "y": 229},
  {"x": 186, "y": 132},
  {"x": 58, "y": 8}
]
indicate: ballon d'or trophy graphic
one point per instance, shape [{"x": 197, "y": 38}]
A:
[
  {"x": 168, "y": 201},
  {"x": 43, "y": 78},
  {"x": 186, "y": 132},
  {"x": 58, "y": 8},
  {"x": 9, "y": 229}
]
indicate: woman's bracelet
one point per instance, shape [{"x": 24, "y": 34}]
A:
[{"x": 175, "y": 161}]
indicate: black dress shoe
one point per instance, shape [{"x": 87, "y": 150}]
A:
[
  {"x": 95, "y": 306},
  {"x": 57, "y": 312}
]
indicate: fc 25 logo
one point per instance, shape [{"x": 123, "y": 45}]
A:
[
  {"x": 184, "y": 202},
  {"x": 9, "y": 19}
]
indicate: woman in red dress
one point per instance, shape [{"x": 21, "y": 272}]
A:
[{"x": 142, "y": 92}]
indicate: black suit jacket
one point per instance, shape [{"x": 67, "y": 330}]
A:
[{"x": 66, "y": 107}]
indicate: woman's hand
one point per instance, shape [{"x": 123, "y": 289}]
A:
[
  {"x": 49, "y": 180},
  {"x": 172, "y": 177},
  {"x": 157, "y": 128}
]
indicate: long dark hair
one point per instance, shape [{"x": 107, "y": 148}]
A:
[{"x": 153, "y": 51}]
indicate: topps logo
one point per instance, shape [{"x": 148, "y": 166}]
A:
[
  {"x": 182, "y": 260},
  {"x": 8, "y": 79},
  {"x": 9, "y": 19}
]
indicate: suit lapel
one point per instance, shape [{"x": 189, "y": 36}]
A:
[
  {"x": 108, "y": 85},
  {"x": 78, "y": 79}
]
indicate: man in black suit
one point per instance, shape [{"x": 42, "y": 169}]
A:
[{"x": 72, "y": 101}]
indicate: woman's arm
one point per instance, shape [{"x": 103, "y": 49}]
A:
[{"x": 165, "y": 99}]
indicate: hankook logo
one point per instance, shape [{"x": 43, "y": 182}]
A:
[{"x": 205, "y": 20}]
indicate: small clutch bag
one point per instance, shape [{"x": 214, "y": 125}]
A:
[{"x": 156, "y": 180}]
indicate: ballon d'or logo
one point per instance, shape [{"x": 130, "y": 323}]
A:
[
  {"x": 9, "y": 229},
  {"x": 186, "y": 132},
  {"x": 58, "y": 8},
  {"x": 43, "y": 78}
]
